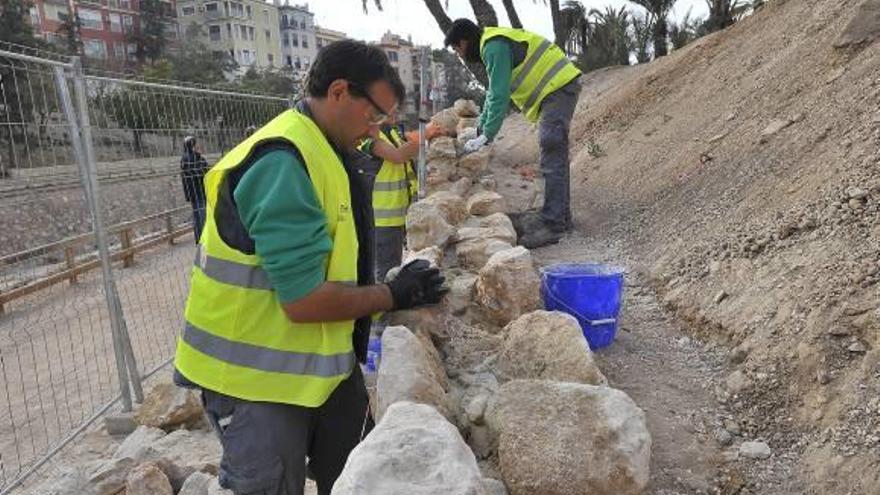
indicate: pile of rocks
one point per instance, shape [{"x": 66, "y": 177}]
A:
[
  {"x": 486, "y": 393},
  {"x": 170, "y": 451}
]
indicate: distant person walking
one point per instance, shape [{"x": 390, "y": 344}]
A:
[{"x": 193, "y": 167}]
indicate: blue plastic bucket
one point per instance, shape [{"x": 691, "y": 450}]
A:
[{"x": 590, "y": 292}]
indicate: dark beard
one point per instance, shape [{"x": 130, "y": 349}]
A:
[{"x": 472, "y": 55}]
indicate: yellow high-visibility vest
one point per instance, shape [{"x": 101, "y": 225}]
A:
[
  {"x": 237, "y": 339},
  {"x": 544, "y": 70},
  {"x": 394, "y": 189}
]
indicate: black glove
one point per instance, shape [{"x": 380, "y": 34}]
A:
[{"x": 417, "y": 284}]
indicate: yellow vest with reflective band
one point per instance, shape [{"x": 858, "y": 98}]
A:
[
  {"x": 394, "y": 189},
  {"x": 237, "y": 340},
  {"x": 544, "y": 70}
]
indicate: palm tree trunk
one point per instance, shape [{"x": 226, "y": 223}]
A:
[
  {"x": 660, "y": 35},
  {"x": 484, "y": 12},
  {"x": 511, "y": 14}
]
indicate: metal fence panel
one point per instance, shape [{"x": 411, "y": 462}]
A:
[{"x": 58, "y": 364}]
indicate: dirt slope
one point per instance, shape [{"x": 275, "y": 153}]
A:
[{"x": 741, "y": 175}]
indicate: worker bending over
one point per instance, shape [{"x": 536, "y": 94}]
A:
[
  {"x": 543, "y": 84},
  {"x": 282, "y": 291}
]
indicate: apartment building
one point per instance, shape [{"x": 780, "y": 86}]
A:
[
  {"x": 245, "y": 29},
  {"x": 324, "y": 36},
  {"x": 106, "y": 26},
  {"x": 298, "y": 44},
  {"x": 401, "y": 53}
]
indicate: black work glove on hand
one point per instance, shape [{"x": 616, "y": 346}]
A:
[{"x": 417, "y": 284}]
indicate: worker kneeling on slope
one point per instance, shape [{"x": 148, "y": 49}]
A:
[
  {"x": 544, "y": 85},
  {"x": 282, "y": 292}
]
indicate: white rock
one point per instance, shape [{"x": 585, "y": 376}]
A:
[
  {"x": 120, "y": 424},
  {"x": 442, "y": 148},
  {"x": 548, "y": 345},
  {"x": 461, "y": 186},
  {"x": 775, "y": 126},
  {"x": 450, "y": 205},
  {"x": 853, "y": 192},
  {"x": 495, "y": 226},
  {"x": 147, "y": 479},
  {"x": 441, "y": 171},
  {"x": 215, "y": 489},
  {"x": 466, "y": 108},
  {"x": 169, "y": 407},
  {"x": 433, "y": 254},
  {"x": 447, "y": 120},
  {"x": 413, "y": 450},
  {"x": 408, "y": 373},
  {"x": 476, "y": 408},
  {"x": 755, "y": 450},
  {"x": 569, "y": 438},
  {"x": 183, "y": 452},
  {"x": 136, "y": 445},
  {"x": 509, "y": 286},
  {"x": 474, "y": 164},
  {"x": 197, "y": 484},
  {"x": 426, "y": 227},
  {"x": 109, "y": 477},
  {"x": 474, "y": 253},
  {"x": 494, "y": 487},
  {"x": 485, "y": 203},
  {"x": 461, "y": 293}
]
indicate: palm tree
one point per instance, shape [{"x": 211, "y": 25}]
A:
[
  {"x": 484, "y": 12},
  {"x": 683, "y": 32},
  {"x": 511, "y": 14},
  {"x": 642, "y": 26},
  {"x": 377, "y": 2},
  {"x": 608, "y": 39},
  {"x": 660, "y": 10},
  {"x": 722, "y": 14},
  {"x": 575, "y": 27}
]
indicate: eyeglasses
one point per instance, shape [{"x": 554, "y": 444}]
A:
[{"x": 380, "y": 116}]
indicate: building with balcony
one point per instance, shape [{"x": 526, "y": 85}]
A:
[
  {"x": 324, "y": 37},
  {"x": 298, "y": 43},
  {"x": 107, "y": 27},
  {"x": 245, "y": 29}
]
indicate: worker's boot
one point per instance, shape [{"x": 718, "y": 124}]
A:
[
  {"x": 526, "y": 221},
  {"x": 543, "y": 235}
]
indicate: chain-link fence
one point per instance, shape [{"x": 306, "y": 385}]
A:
[{"x": 99, "y": 187}]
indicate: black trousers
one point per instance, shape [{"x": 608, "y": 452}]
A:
[{"x": 269, "y": 447}]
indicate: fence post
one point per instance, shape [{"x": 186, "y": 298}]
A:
[
  {"x": 70, "y": 258},
  {"x": 125, "y": 240},
  {"x": 169, "y": 228},
  {"x": 121, "y": 344}
]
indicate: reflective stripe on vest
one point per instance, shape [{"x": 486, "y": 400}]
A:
[
  {"x": 260, "y": 358},
  {"x": 392, "y": 190},
  {"x": 544, "y": 69},
  {"x": 238, "y": 340}
]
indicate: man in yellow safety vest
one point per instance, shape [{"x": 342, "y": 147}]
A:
[
  {"x": 543, "y": 84},
  {"x": 282, "y": 291}
]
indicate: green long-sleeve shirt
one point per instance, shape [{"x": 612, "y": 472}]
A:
[
  {"x": 499, "y": 66},
  {"x": 281, "y": 213}
]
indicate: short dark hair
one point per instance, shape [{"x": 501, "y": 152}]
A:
[
  {"x": 463, "y": 29},
  {"x": 356, "y": 62}
]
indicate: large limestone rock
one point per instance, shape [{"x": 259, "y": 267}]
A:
[
  {"x": 433, "y": 254},
  {"x": 170, "y": 407},
  {"x": 179, "y": 454},
  {"x": 863, "y": 28},
  {"x": 485, "y": 203},
  {"x": 442, "y": 148},
  {"x": 466, "y": 108},
  {"x": 558, "y": 438},
  {"x": 409, "y": 372},
  {"x": 441, "y": 171},
  {"x": 197, "y": 484},
  {"x": 474, "y": 253},
  {"x": 446, "y": 120},
  {"x": 412, "y": 451},
  {"x": 465, "y": 123},
  {"x": 147, "y": 479},
  {"x": 509, "y": 286},
  {"x": 474, "y": 164},
  {"x": 137, "y": 445},
  {"x": 461, "y": 293},
  {"x": 548, "y": 345},
  {"x": 450, "y": 205},
  {"x": 495, "y": 226},
  {"x": 426, "y": 227}
]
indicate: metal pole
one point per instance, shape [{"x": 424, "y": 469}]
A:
[
  {"x": 423, "y": 118},
  {"x": 124, "y": 362}
]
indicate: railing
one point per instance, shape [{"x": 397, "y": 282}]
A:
[{"x": 74, "y": 265}]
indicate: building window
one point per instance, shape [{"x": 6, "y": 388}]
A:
[
  {"x": 170, "y": 31},
  {"x": 302, "y": 25},
  {"x": 95, "y": 48},
  {"x": 266, "y": 16},
  {"x": 249, "y": 13},
  {"x": 229, "y": 30},
  {"x": 284, "y": 20},
  {"x": 305, "y": 41},
  {"x": 131, "y": 49},
  {"x": 127, "y": 23},
  {"x": 214, "y": 33},
  {"x": 289, "y": 61},
  {"x": 212, "y": 10},
  {"x": 243, "y": 31},
  {"x": 237, "y": 9},
  {"x": 392, "y": 56},
  {"x": 294, "y": 39},
  {"x": 268, "y": 35},
  {"x": 115, "y": 23},
  {"x": 189, "y": 10},
  {"x": 35, "y": 16},
  {"x": 271, "y": 59},
  {"x": 319, "y": 42},
  {"x": 251, "y": 32},
  {"x": 297, "y": 64},
  {"x": 125, "y": 4},
  {"x": 306, "y": 62},
  {"x": 91, "y": 19},
  {"x": 119, "y": 51},
  {"x": 285, "y": 40},
  {"x": 113, "y": 3}
]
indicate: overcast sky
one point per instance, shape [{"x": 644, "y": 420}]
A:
[{"x": 411, "y": 17}]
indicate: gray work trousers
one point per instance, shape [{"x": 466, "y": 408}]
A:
[
  {"x": 389, "y": 249},
  {"x": 553, "y": 128},
  {"x": 265, "y": 444}
]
